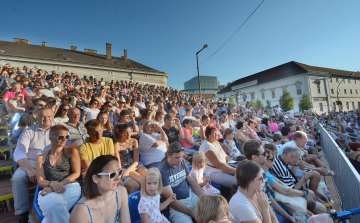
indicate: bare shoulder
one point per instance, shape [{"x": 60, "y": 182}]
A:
[{"x": 80, "y": 213}]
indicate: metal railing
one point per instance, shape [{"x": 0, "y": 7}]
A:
[{"x": 347, "y": 179}]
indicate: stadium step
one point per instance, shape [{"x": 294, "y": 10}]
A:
[{"x": 7, "y": 165}]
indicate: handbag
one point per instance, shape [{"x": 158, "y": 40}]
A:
[{"x": 292, "y": 204}]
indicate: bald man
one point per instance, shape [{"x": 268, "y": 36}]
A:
[{"x": 32, "y": 142}]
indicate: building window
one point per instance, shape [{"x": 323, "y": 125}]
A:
[
  {"x": 334, "y": 106},
  {"x": 318, "y": 88},
  {"x": 349, "y": 81},
  {"x": 244, "y": 97},
  {"x": 350, "y": 91},
  {"x": 353, "y": 105},
  {"x": 252, "y": 96},
  {"x": 263, "y": 95},
  {"x": 321, "y": 107},
  {"x": 332, "y": 91},
  {"x": 356, "y": 91},
  {"x": 298, "y": 89},
  {"x": 355, "y": 81},
  {"x": 337, "y": 80},
  {"x": 273, "y": 93},
  {"x": 347, "y": 105},
  {"x": 358, "y": 104},
  {"x": 331, "y": 79},
  {"x": 345, "y": 92}
]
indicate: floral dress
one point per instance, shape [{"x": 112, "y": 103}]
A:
[
  {"x": 233, "y": 151},
  {"x": 151, "y": 205},
  {"x": 198, "y": 175}
]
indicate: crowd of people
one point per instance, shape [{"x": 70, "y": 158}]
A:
[{"x": 101, "y": 141}]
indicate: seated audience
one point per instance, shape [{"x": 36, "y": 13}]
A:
[
  {"x": 241, "y": 137},
  {"x": 104, "y": 200},
  {"x": 61, "y": 114},
  {"x": 229, "y": 144},
  {"x": 188, "y": 143},
  {"x": 126, "y": 117},
  {"x": 91, "y": 112},
  {"x": 104, "y": 120},
  {"x": 354, "y": 155},
  {"x": 250, "y": 203},
  {"x": 56, "y": 172},
  {"x": 176, "y": 179},
  {"x": 127, "y": 148},
  {"x": 205, "y": 121},
  {"x": 16, "y": 105},
  {"x": 96, "y": 145},
  {"x": 212, "y": 209},
  {"x": 217, "y": 168},
  {"x": 152, "y": 145},
  {"x": 77, "y": 131},
  {"x": 29, "y": 119},
  {"x": 32, "y": 142}
]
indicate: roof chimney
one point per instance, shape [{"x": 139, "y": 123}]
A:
[
  {"x": 90, "y": 51},
  {"x": 43, "y": 43},
  {"x": 108, "y": 51},
  {"x": 73, "y": 48},
  {"x": 25, "y": 41},
  {"x": 125, "y": 55}
]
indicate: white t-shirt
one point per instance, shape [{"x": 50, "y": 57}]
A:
[
  {"x": 90, "y": 114},
  {"x": 61, "y": 120},
  {"x": 205, "y": 147},
  {"x": 242, "y": 209},
  {"x": 182, "y": 112},
  {"x": 281, "y": 149},
  {"x": 149, "y": 154}
]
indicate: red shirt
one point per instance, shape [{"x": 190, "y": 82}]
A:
[{"x": 11, "y": 94}]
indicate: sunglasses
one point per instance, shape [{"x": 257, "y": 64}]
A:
[
  {"x": 42, "y": 105},
  {"x": 177, "y": 150},
  {"x": 263, "y": 154},
  {"x": 112, "y": 175},
  {"x": 62, "y": 137},
  {"x": 110, "y": 106},
  {"x": 65, "y": 110},
  {"x": 67, "y": 99},
  {"x": 52, "y": 102}
]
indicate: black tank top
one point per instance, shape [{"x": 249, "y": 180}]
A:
[{"x": 57, "y": 173}]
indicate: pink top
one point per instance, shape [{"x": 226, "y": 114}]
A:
[
  {"x": 151, "y": 206},
  {"x": 11, "y": 94},
  {"x": 185, "y": 144}
]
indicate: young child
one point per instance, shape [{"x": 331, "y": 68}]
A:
[
  {"x": 149, "y": 206},
  {"x": 277, "y": 138},
  {"x": 229, "y": 143},
  {"x": 197, "y": 172}
]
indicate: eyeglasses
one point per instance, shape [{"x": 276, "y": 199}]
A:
[
  {"x": 263, "y": 154},
  {"x": 112, "y": 175},
  {"x": 52, "y": 102},
  {"x": 42, "y": 105},
  {"x": 60, "y": 138},
  {"x": 65, "y": 110},
  {"x": 110, "y": 106}
]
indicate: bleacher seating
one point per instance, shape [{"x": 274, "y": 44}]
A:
[{"x": 134, "y": 200}]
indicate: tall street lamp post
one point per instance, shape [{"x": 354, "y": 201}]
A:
[
  {"x": 197, "y": 61},
  {"x": 337, "y": 90}
]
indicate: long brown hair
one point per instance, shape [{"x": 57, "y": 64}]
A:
[{"x": 107, "y": 125}]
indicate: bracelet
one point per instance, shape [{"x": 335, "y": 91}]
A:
[
  {"x": 49, "y": 183},
  {"x": 305, "y": 193}
]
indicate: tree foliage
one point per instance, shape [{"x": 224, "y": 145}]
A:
[
  {"x": 231, "y": 100},
  {"x": 259, "y": 104},
  {"x": 305, "y": 103},
  {"x": 286, "y": 102},
  {"x": 268, "y": 104}
]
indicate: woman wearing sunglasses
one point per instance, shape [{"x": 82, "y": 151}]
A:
[
  {"x": 56, "y": 172},
  {"x": 104, "y": 200},
  {"x": 61, "y": 114}
]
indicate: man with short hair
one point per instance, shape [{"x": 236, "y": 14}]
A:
[
  {"x": 291, "y": 156},
  {"x": 176, "y": 179},
  {"x": 77, "y": 131},
  {"x": 29, "y": 119},
  {"x": 96, "y": 145},
  {"x": 32, "y": 142},
  {"x": 174, "y": 133},
  {"x": 254, "y": 151},
  {"x": 350, "y": 130}
]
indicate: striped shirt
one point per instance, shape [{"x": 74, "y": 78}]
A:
[{"x": 282, "y": 172}]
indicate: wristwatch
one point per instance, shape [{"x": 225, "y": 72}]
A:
[{"x": 305, "y": 193}]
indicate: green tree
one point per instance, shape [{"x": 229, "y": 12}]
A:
[
  {"x": 248, "y": 104},
  {"x": 268, "y": 104},
  {"x": 253, "y": 104},
  {"x": 259, "y": 104},
  {"x": 286, "y": 101},
  {"x": 231, "y": 100},
  {"x": 305, "y": 103}
]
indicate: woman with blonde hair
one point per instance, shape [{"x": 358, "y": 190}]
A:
[
  {"x": 211, "y": 209},
  {"x": 104, "y": 119}
]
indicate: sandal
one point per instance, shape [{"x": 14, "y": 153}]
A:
[{"x": 330, "y": 173}]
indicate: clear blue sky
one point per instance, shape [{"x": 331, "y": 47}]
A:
[{"x": 166, "y": 34}]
